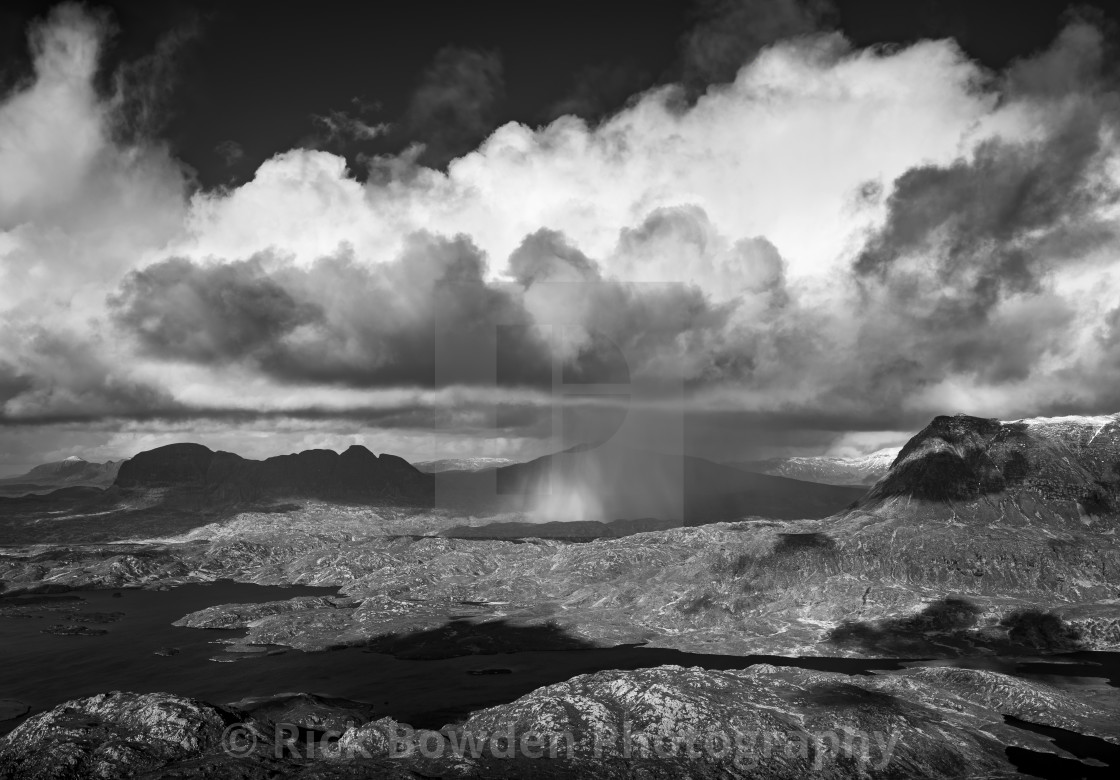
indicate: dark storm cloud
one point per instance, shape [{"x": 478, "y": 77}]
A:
[
  {"x": 1073, "y": 64},
  {"x": 336, "y": 322},
  {"x": 12, "y": 382},
  {"x": 454, "y": 107},
  {"x": 64, "y": 375},
  {"x": 729, "y": 33},
  {"x": 994, "y": 215},
  {"x": 546, "y": 255},
  {"x": 1004, "y": 213},
  {"x": 631, "y": 329},
  {"x": 217, "y": 313},
  {"x": 958, "y": 274},
  {"x": 381, "y": 322},
  {"x": 419, "y": 320},
  {"x": 958, "y": 279}
]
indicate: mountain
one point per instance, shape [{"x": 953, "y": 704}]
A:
[
  {"x": 827, "y": 470},
  {"x": 994, "y": 540},
  {"x": 1061, "y": 472},
  {"x": 606, "y": 482},
  {"x": 72, "y": 472},
  {"x": 462, "y": 464},
  {"x": 986, "y": 537},
  {"x": 356, "y": 474},
  {"x": 175, "y": 488}
]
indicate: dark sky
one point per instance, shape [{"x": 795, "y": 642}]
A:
[{"x": 249, "y": 76}]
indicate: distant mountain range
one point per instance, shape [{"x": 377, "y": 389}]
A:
[
  {"x": 826, "y": 469},
  {"x": 72, "y": 472},
  {"x": 181, "y": 486},
  {"x": 356, "y": 475},
  {"x": 462, "y": 464}
]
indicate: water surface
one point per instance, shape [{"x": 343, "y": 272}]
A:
[{"x": 44, "y": 669}]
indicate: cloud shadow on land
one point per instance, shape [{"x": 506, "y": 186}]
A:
[{"x": 953, "y": 624}]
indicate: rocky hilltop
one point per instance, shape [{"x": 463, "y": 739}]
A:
[
  {"x": 1068, "y": 467},
  {"x": 665, "y": 722}
]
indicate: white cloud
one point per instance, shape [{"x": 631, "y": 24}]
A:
[{"x": 761, "y": 194}]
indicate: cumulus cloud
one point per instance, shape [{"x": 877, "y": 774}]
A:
[
  {"x": 218, "y": 313},
  {"x": 822, "y": 241},
  {"x": 341, "y": 321},
  {"x": 79, "y": 204}
]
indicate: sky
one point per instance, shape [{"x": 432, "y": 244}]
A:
[{"x": 464, "y": 229}]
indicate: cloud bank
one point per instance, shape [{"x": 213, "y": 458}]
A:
[{"x": 825, "y": 239}]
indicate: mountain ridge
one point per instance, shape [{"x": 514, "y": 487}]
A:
[
  {"x": 862, "y": 470},
  {"x": 70, "y": 472}
]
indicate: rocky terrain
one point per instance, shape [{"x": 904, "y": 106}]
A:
[
  {"x": 985, "y": 538},
  {"x": 72, "y": 472},
  {"x": 825, "y": 469},
  {"x": 573, "y": 531},
  {"x": 665, "y": 722}
]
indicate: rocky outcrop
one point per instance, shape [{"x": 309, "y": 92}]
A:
[
  {"x": 113, "y": 735},
  {"x": 1067, "y": 469},
  {"x": 665, "y": 722},
  {"x": 308, "y": 711},
  {"x": 778, "y": 722},
  {"x": 233, "y": 616}
]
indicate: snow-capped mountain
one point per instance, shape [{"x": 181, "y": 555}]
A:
[
  {"x": 828, "y": 470},
  {"x": 71, "y": 472},
  {"x": 462, "y": 464}
]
